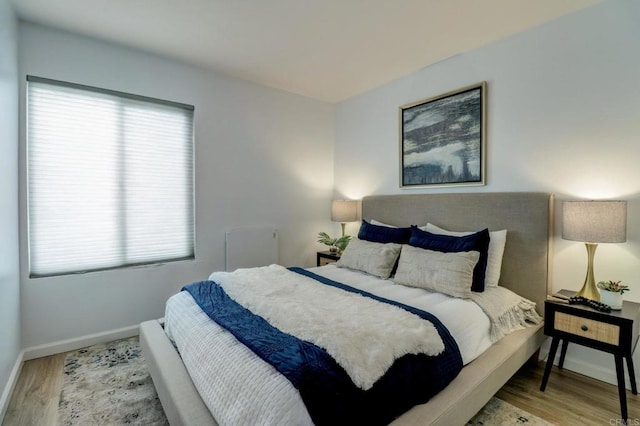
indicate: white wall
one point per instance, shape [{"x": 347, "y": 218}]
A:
[
  {"x": 563, "y": 117},
  {"x": 263, "y": 157},
  {"x": 9, "y": 263}
]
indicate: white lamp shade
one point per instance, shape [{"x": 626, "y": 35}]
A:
[
  {"x": 344, "y": 211},
  {"x": 594, "y": 221}
]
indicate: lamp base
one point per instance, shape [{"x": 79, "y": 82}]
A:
[{"x": 589, "y": 289}]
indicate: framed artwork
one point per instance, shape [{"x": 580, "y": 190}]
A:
[{"x": 442, "y": 139}]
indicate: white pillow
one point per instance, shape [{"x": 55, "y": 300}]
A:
[
  {"x": 447, "y": 273},
  {"x": 375, "y": 222},
  {"x": 494, "y": 254},
  {"x": 373, "y": 258}
]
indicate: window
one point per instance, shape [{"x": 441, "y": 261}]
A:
[{"x": 110, "y": 179}]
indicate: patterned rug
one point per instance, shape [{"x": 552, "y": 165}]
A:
[
  {"x": 498, "y": 412},
  {"x": 109, "y": 384}
]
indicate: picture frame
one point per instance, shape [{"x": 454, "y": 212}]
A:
[{"x": 443, "y": 139}]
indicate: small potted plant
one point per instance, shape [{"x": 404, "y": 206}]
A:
[
  {"x": 335, "y": 244},
  {"x": 611, "y": 293}
]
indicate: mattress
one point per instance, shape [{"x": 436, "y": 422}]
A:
[{"x": 238, "y": 387}]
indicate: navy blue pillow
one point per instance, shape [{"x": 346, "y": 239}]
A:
[
  {"x": 449, "y": 244},
  {"x": 383, "y": 234}
]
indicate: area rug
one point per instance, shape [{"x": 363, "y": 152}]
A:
[
  {"x": 109, "y": 384},
  {"x": 499, "y": 412}
]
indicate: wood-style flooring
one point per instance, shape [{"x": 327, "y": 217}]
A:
[
  {"x": 35, "y": 398},
  {"x": 570, "y": 398}
]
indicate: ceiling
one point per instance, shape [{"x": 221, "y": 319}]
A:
[{"x": 324, "y": 49}]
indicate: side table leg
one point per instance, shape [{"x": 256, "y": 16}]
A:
[
  {"x": 550, "y": 358},
  {"x": 563, "y": 352},
  {"x": 632, "y": 375},
  {"x": 621, "y": 388}
]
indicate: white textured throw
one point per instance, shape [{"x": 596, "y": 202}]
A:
[
  {"x": 236, "y": 385},
  {"x": 363, "y": 335},
  {"x": 506, "y": 310}
]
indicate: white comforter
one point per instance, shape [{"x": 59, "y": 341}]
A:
[{"x": 238, "y": 387}]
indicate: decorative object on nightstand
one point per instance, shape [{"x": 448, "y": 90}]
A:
[
  {"x": 336, "y": 245},
  {"x": 344, "y": 211},
  {"x": 594, "y": 222},
  {"x": 326, "y": 257},
  {"x": 615, "y": 332},
  {"x": 611, "y": 293}
]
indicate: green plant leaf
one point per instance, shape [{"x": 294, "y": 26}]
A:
[
  {"x": 342, "y": 242},
  {"x": 324, "y": 238}
]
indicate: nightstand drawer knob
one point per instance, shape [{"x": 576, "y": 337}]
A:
[{"x": 584, "y": 328}]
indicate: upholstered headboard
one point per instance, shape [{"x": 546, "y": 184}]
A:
[{"x": 527, "y": 217}]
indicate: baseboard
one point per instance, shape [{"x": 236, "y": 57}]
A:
[
  {"x": 11, "y": 384},
  {"x": 605, "y": 374},
  {"x": 595, "y": 371},
  {"x": 79, "y": 342}
]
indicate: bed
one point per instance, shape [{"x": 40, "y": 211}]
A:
[{"x": 525, "y": 270}]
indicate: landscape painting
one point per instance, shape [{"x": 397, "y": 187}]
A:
[{"x": 442, "y": 139}]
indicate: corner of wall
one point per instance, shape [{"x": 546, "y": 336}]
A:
[
  {"x": 10, "y": 332},
  {"x": 5, "y": 397}
]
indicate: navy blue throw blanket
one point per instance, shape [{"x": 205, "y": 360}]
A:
[{"x": 329, "y": 394}]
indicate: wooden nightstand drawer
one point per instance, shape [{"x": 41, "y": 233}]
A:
[
  {"x": 326, "y": 257},
  {"x": 591, "y": 329},
  {"x": 324, "y": 261}
]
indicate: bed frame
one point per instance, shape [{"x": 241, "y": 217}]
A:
[{"x": 525, "y": 270}]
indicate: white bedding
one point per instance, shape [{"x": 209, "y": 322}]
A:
[
  {"x": 221, "y": 367},
  {"x": 464, "y": 319}
]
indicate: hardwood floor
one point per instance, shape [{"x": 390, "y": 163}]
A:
[
  {"x": 34, "y": 401},
  {"x": 570, "y": 398}
]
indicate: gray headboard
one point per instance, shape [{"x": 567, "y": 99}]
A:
[{"x": 527, "y": 217}]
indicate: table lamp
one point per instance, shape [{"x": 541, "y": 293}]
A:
[
  {"x": 344, "y": 211},
  {"x": 594, "y": 222}
]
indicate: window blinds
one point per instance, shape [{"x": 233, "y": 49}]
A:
[{"x": 110, "y": 179}]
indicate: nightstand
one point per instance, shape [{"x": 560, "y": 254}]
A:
[
  {"x": 615, "y": 332},
  {"x": 326, "y": 257}
]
